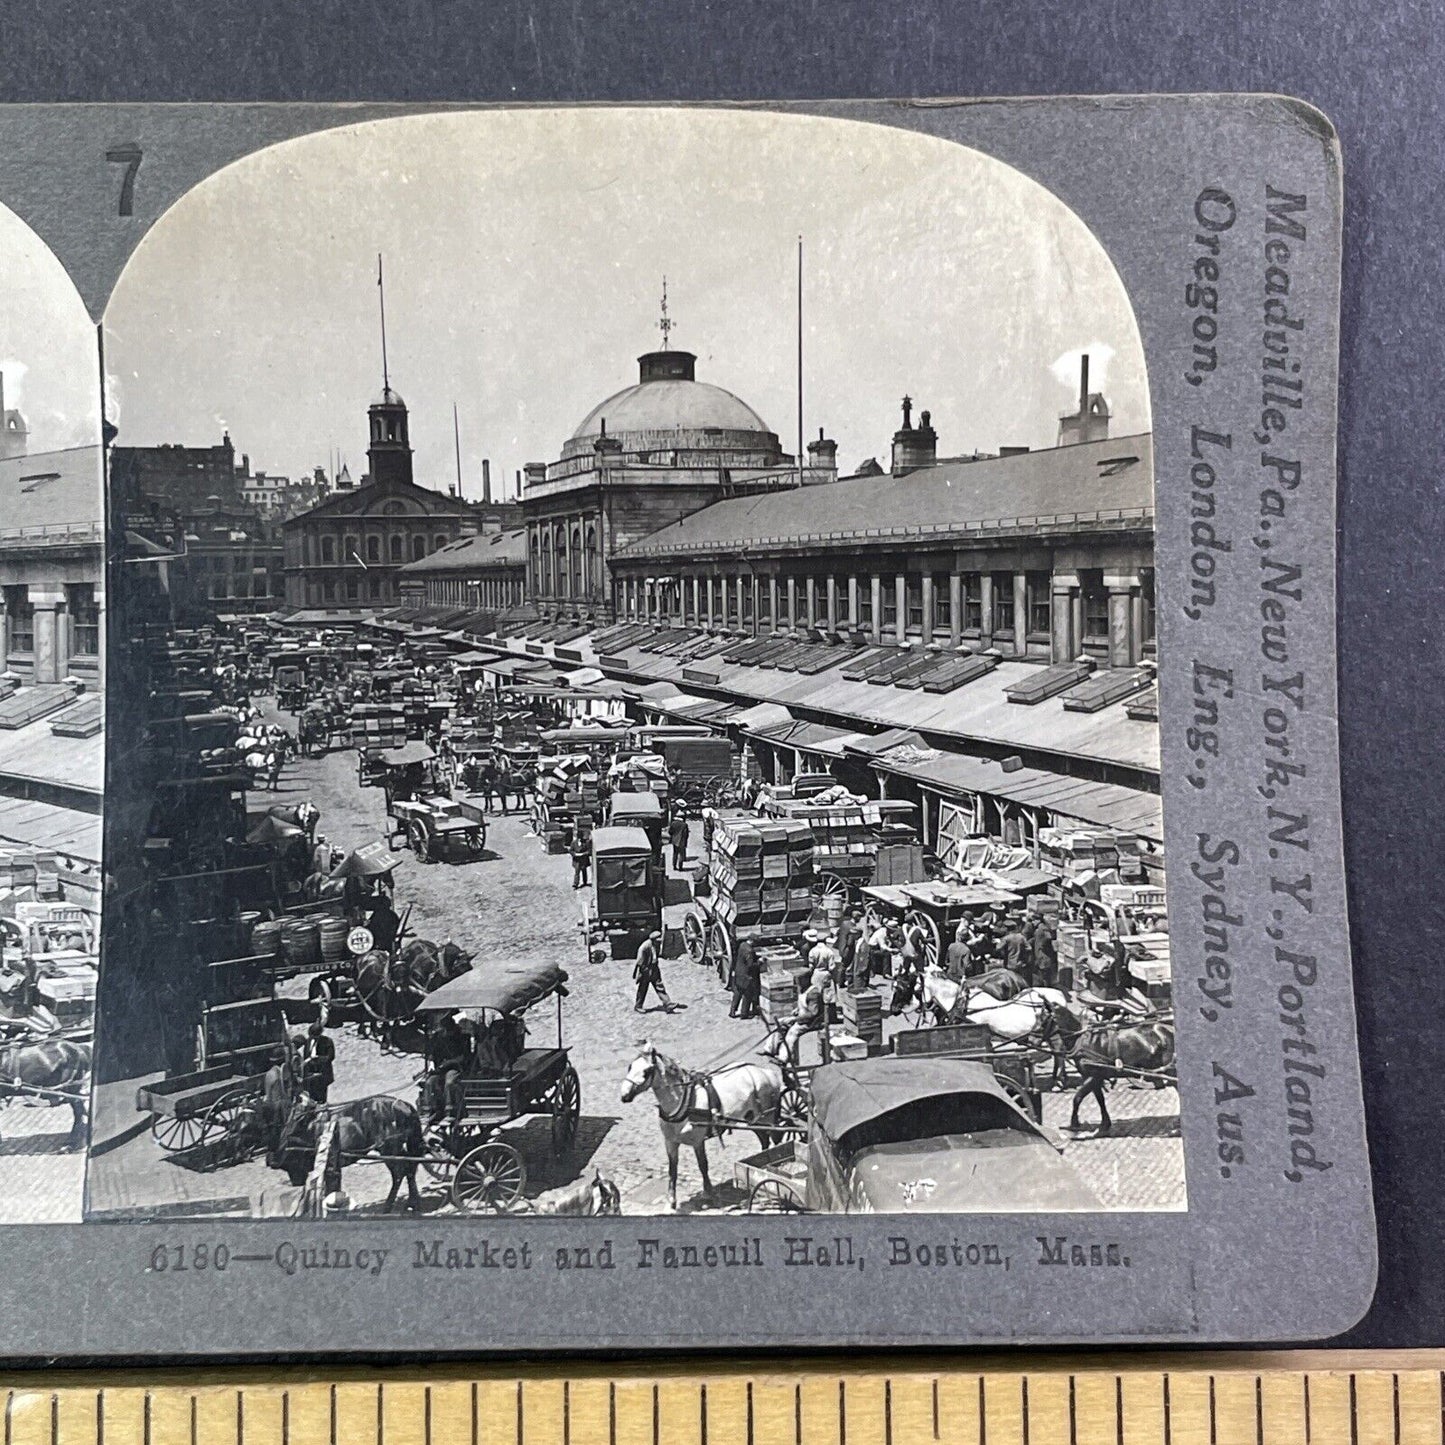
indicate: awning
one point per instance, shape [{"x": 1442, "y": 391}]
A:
[
  {"x": 44, "y": 825},
  {"x": 657, "y": 692},
  {"x": 585, "y": 677},
  {"x": 881, "y": 742},
  {"x": 504, "y": 990},
  {"x": 763, "y": 715},
  {"x": 407, "y": 755},
  {"x": 809, "y": 737},
  {"x": 371, "y": 860},
  {"x": 1109, "y": 805}
]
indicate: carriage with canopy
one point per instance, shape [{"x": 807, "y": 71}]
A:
[{"x": 503, "y": 1080}]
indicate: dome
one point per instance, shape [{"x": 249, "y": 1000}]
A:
[
  {"x": 387, "y": 397},
  {"x": 665, "y": 406}
]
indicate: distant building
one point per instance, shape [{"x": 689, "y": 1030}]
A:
[
  {"x": 14, "y": 433},
  {"x": 52, "y": 565},
  {"x": 186, "y": 478},
  {"x": 1091, "y": 422},
  {"x": 346, "y": 552},
  {"x": 645, "y": 457},
  {"x": 232, "y": 563}
]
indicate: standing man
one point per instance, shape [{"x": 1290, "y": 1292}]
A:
[
  {"x": 846, "y": 942},
  {"x": 648, "y": 973},
  {"x": 822, "y": 955},
  {"x": 745, "y": 982},
  {"x": 1045, "y": 955},
  {"x": 1014, "y": 949},
  {"x": 880, "y": 952},
  {"x": 709, "y": 823},
  {"x": 581, "y": 849},
  {"x": 678, "y": 834},
  {"x": 318, "y": 1063}
]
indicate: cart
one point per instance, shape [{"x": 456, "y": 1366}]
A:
[
  {"x": 628, "y": 883},
  {"x": 934, "y": 910},
  {"x": 638, "y": 810},
  {"x": 204, "y": 1108},
  {"x": 487, "y": 1174}
]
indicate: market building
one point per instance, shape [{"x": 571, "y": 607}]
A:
[
  {"x": 484, "y": 572},
  {"x": 644, "y": 458}
]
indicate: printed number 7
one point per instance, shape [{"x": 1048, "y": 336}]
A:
[{"x": 129, "y": 157}]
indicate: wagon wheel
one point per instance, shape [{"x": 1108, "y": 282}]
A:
[
  {"x": 793, "y": 1105},
  {"x": 720, "y": 949},
  {"x": 320, "y": 990},
  {"x": 176, "y": 1133},
  {"x": 772, "y": 1196},
  {"x": 932, "y": 939},
  {"x": 1019, "y": 1095},
  {"x": 479, "y": 837},
  {"x": 566, "y": 1108},
  {"x": 446, "y": 1142},
  {"x": 420, "y": 843},
  {"x": 233, "y": 1124},
  {"x": 694, "y": 937},
  {"x": 832, "y": 885},
  {"x": 537, "y": 818},
  {"x": 490, "y": 1179}
]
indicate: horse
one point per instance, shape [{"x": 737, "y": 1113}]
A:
[
  {"x": 300, "y": 815},
  {"x": 693, "y": 1108},
  {"x": 1103, "y": 1051},
  {"x": 54, "y": 1070},
  {"x": 951, "y": 1002},
  {"x": 396, "y": 985},
  {"x": 380, "y": 1125}
]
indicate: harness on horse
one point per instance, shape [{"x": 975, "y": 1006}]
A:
[{"x": 686, "y": 1112}]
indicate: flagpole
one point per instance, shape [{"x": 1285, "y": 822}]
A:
[
  {"x": 381, "y": 289},
  {"x": 800, "y": 361},
  {"x": 457, "y": 431}
]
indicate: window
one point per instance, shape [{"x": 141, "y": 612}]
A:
[
  {"x": 1041, "y": 612},
  {"x": 972, "y": 602},
  {"x": 547, "y": 565},
  {"x": 765, "y": 603},
  {"x": 865, "y": 602},
  {"x": 748, "y": 585},
  {"x": 785, "y": 612},
  {"x": 1096, "y": 606},
  {"x": 1003, "y": 601},
  {"x": 396, "y": 550},
  {"x": 890, "y": 602},
  {"x": 730, "y": 600},
  {"x": 19, "y": 619},
  {"x": 328, "y": 549},
  {"x": 592, "y": 574},
  {"x": 373, "y": 549},
  {"x": 914, "y": 594},
  {"x": 84, "y": 619},
  {"x": 1146, "y": 597},
  {"x": 418, "y": 548},
  {"x": 328, "y": 589},
  {"x": 374, "y": 588},
  {"x": 845, "y": 611},
  {"x": 942, "y": 602},
  {"x": 438, "y": 542},
  {"x": 349, "y": 552},
  {"x": 575, "y": 552}
]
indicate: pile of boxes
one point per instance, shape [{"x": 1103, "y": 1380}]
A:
[
  {"x": 1076, "y": 851},
  {"x": 377, "y": 725},
  {"x": 862, "y": 1015},
  {"x": 569, "y": 788},
  {"x": 762, "y": 872}
]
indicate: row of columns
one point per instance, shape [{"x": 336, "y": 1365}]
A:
[
  {"x": 559, "y": 534},
  {"x": 50, "y": 657},
  {"x": 663, "y": 600}
]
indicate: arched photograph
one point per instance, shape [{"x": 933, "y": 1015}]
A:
[
  {"x": 52, "y": 744},
  {"x": 642, "y": 626}
]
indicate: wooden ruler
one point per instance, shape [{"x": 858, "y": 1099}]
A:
[{"x": 1327, "y": 1398}]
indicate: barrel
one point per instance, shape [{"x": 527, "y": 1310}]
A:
[
  {"x": 266, "y": 938},
  {"x": 333, "y": 933},
  {"x": 247, "y": 920},
  {"x": 301, "y": 942}
]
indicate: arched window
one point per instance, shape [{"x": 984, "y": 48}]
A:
[
  {"x": 536, "y": 564},
  {"x": 373, "y": 549},
  {"x": 418, "y": 548},
  {"x": 328, "y": 549},
  {"x": 439, "y": 541},
  {"x": 396, "y": 553},
  {"x": 547, "y": 566},
  {"x": 576, "y": 550},
  {"x": 592, "y": 573},
  {"x": 348, "y": 550},
  {"x": 562, "y": 573}
]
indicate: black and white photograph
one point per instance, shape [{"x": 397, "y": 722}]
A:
[
  {"x": 640, "y": 639},
  {"x": 52, "y": 592}
]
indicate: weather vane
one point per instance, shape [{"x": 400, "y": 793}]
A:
[{"x": 665, "y": 325}]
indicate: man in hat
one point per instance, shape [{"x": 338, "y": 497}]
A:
[
  {"x": 1045, "y": 954},
  {"x": 448, "y": 1048},
  {"x": 821, "y": 954},
  {"x": 648, "y": 973},
  {"x": 383, "y": 923},
  {"x": 811, "y": 1013},
  {"x": 1013, "y": 949},
  {"x": 709, "y": 823},
  {"x": 847, "y": 942},
  {"x": 746, "y": 981},
  {"x": 678, "y": 834},
  {"x": 581, "y": 850},
  {"x": 318, "y": 1062},
  {"x": 455, "y": 961}
]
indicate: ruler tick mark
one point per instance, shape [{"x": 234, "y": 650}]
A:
[
  {"x": 1395, "y": 1404},
  {"x": 1168, "y": 1414},
  {"x": 935, "y": 1407},
  {"x": 702, "y": 1413},
  {"x": 100, "y": 1417},
  {"x": 195, "y": 1432},
  {"x": 798, "y": 1414},
  {"x": 55, "y": 1418},
  {"x": 1258, "y": 1410},
  {"x": 982, "y": 1413},
  {"x": 1024, "y": 1406},
  {"x": 9, "y": 1411},
  {"x": 521, "y": 1428},
  {"x": 1213, "y": 1415},
  {"x": 476, "y": 1412},
  {"x": 426, "y": 1414},
  {"x": 842, "y": 1412},
  {"x": 333, "y": 1415},
  {"x": 285, "y": 1417},
  {"x": 566, "y": 1414},
  {"x": 1073, "y": 1412},
  {"x": 1118, "y": 1410},
  {"x": 240, "y": 1417},
  {"x": 1354, "y": 1413},
  {"x": 750, "y": 1412},
  {"x": 888, "y": 1414},
  {"x": 380, "y": 1412},
  {"x": 612, "y": 1411},
  {"x": 1309, "y": 1423}
]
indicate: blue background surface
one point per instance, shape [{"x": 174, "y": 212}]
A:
[{"x": 1378, "y": 70}]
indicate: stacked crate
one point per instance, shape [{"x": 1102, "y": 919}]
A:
[
  {"x": 1075, "y": 851},
  {"x": 762, "y": 872},
  {"x": 862, "y": 1015},
  {"x": 376, "y": 725},
  {"x": 736, "y": 872}
]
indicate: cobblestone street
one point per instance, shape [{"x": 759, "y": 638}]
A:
[{"x": 517, "y": 904}]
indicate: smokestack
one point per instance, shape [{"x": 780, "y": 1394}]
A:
[
  {"x": 486, "y": 482},
  {"x": 518, "y": 493},
  {"x": 1083, "y": 386}
]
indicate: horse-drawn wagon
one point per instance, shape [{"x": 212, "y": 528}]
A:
[
  {"x": 628, "y": 883},
  {"x": 422, "y": 814},
  {"x": 931, "y": 912},
  {"x": 502, "y": 1081}
]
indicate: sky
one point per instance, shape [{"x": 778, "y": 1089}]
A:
[
  {"x": 524, "y": 257},
  {"x": 47, "y": 343}
]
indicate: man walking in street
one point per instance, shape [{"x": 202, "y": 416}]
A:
[
  {"x": 745, "y": 982},
  {"x": 318, "y": 1062},
  {"x": 1014, "y": 950},
  {"x": 678, "y": 834},
  {"x": 581, "y": 850},
  {"x": 648, "y": 973}
]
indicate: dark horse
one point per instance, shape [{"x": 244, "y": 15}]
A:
[
  {"x": 394, "y": 986},
  {"x": 1141, "y": 1048},
  {"x": 379, "y": 1125},
  {"x": 55, "y": 1070}
]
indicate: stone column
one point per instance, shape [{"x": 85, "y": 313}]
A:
[
  {"x": 792, "y": 604},
  {"x": 4, "y": 635},
  {"x": 50, "y": 649},
  {"x": 755, "y": 584},
  {"x": 773, "y": 601},
  {"x": 1077, "y": 619},
  {"x": 900, "y": 607},
  {"x": 1021, "y": 613},
  {"x": 955, "y": 608},
  {"x": 926, "y": 590},
  {"x": 853, "y": 600},
  {"x": 810, "y": 586},
  {"x": 1123, "y": 638},
  {"x": 985, "y": 593},
  {"x": 742, "y": 614},
  {"x": 1065, "y": 588},
  {"x": 1136, "y": 622},
  {"x": 832, "y": 603},
  {"x": 707, "y": 602},
  {"x": 875, "y": 590}
]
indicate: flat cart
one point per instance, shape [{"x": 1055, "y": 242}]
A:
[
  {"x": 847, "y": 838},
  {"x": 934, "y": 910},
  {"x": 567, "y": 796},
  {"x": 628, "y": 883},
  {"x": 711, "y": 937},
  {"x": 503, "y": 1083},
  {"x": 699, "y": 769},
  {"x": 201, "y": 1109}
]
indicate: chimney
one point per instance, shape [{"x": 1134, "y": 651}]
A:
[
  {"x": 1084, "y": 385},
  {"x": 1013, "y": 451},
  {"x": 914, "y": 446},
  {"x": 486, "y": 482},
  {"x": 536, "y": 473},
  {"x": 608, "y": 448},
  {"x": 823, "y": 458}
]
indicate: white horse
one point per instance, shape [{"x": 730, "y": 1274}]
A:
[
  {"x": 693, "y": 1108},
  {"x": 1008, "y": 1019}
]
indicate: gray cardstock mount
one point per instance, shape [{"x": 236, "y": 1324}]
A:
[{"x": 1256, "y": 1256}]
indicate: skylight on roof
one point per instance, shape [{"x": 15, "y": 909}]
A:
[{"x": 36, "y": 480}]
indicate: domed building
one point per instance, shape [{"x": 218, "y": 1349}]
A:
[{"x": 644, "y": 458}]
